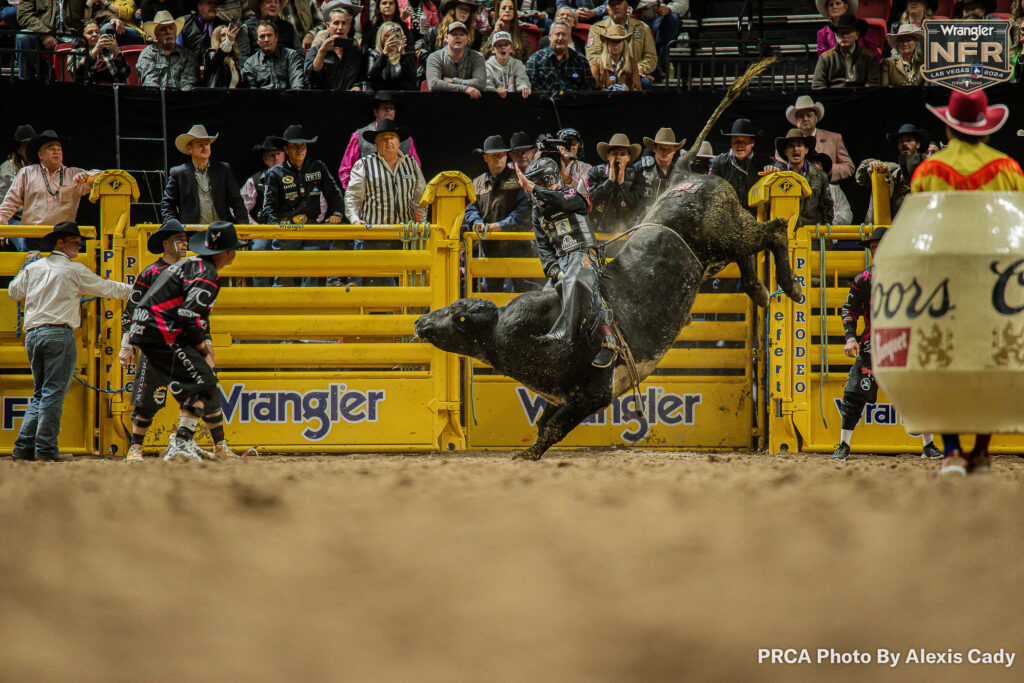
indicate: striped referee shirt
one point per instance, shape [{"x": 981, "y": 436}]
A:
[{"x": 378, "y": 195}]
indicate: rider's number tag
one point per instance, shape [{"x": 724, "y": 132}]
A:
[{"x": 563, "y": 227}]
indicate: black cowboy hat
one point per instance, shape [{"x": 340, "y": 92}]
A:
[
  {"x": 923, "y": 137},
  {"x": 520, "y": 140},
  {"x": 294, "y": 133},
  {"x": 823, "y": 159},
  {"x": 847, "y": 22},
  {"x": 61, "y": 230},
  {"x": 48, "y": 135},
  {"x": 269, "y": 144},
  {"x": 743, "y": 127},
  {"x": 452, "y": 4},
  {"x": 876, "y": 235},
  {"x": 493, "y": 145},
  {"x": 989, "y": 5},
  {"x": 155, "y": 243},
  {"x": 23, "y": 134},
  {"x": 216, "y": 239},
  {"x": 385, "y": 126},
  {"x": 384, "y": 96}
]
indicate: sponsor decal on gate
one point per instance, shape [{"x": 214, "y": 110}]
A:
[
  {"x": 657, "y": 406},
  {"x": 320, "y": 410},
  {"x": 891, "y": 347}
]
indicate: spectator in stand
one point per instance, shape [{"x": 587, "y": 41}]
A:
[
  {"x": 384, "y": 107},
  {"x": 16, "y": 160},
  {"x": 96, "y": 57},
  {"x": 806, "y": 114},
  {"x": 196, "y": 33},
  {"x": 522, "y": 150},
  {"x": 585, "y": 11},
  {"x": 392, "y": 64},
  {"x": 456, "y": 68},
  {"x": 46, "y": 191},
  {"x": 273, "y": 66},
  {"x": 270, "y": 10},
  {"x": 164, "y": 64},
  {"x": 915, "y": 12},
  {"x": 614, "y": 67},
  {"x": 904, "y": 67},
  {"x": 655, "y": 169},
  {"x": 832, "y": 10},
  {"x": 271, "y": 153},
  {"x": 975, "y": 9},
  {"x": 336, "y": 63},
  {"x": 557, "y": 68},
  {"x": 122, "y": 25},
  {"x": 741, "y": 165},
  {"x": 615, "y": 188},
  {"x": 505, "y": 73},
  {"x": 462, "y": 11},
  {"x": 792, "y": 151},
  {"x": 912, "y": 145},
  {"x": 642, "y": 40},
  {"x": 664, "y": 20},
  {"x": 568, "y": 15},
  {"x": 224, "y": 61},
  {"x": 540, "y": 13},
  {"x": 305, "y": 18},
  {"x": 842, "y": 214},
  {"x": 384, "y": 189},
  {"x": 500, "y": 206},
  {"x": 201, "y": 191},
  {"x": 508, "y": 22},
  {"x": 386, "y": 11},
  {"x": 571, "y": 170},
  {"x": 1016, "y": 37},
  {"x": 148, "y": 9},
  {"x": 9, "y": 16},
  {"x": 44, "y": 24},
  {"x": 848, "y": 64},
  {"x": 425, "y": 15},
  {"x": 294, "y": 194}
]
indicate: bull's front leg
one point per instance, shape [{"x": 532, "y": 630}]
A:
[
  {"x": 778, "y": 245},
  {"x": 562, "y": 419},
  {"x": 754, "y": 288}
]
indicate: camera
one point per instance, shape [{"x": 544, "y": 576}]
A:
[{"x": 547, "y": 146}]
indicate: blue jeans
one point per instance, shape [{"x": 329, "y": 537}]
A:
[
  {"x": 9, "y": 17},
  {"x": 262, "y": 245},
  {"x": 52, "y": 354},
  {"x": 339, "y": 280},
  {"x": 131, "y": 36},
  {"x": 665, "y": 29},
  {"x": 299, "y": 245},
  {"x": 27, "y": 45}
]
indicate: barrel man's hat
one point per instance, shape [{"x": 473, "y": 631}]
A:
[{"x": 971, "y": 114}]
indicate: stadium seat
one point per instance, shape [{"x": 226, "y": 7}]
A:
[
  {"x": 874, "y": 9},
  {"x": 1003, "y": 7},
  {"x": 532, "y": 34},
  {"x": 60, "y": 62},
  {"x": 877, "y": 30},
  {"x": 424, "y": 86},
  {"x": 131, "y": 55},
  {"x": 582, "y": 31},
  {"x": 944, "y": 9},
  {"x": 1002, "y": 15}
]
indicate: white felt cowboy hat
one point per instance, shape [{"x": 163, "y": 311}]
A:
[
  {"x": 197, "y": 132},
  {"x": 804, "y": 102}
]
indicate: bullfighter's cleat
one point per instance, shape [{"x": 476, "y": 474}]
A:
[
  {"x": 954, "y": 463},
  {"x": 222, "y": 450},
  {"x": 930, "y": 451},
  {"x": 842, "y": 451},
  {"x": 180, "y": 450},
  {"x": 135, "y": 453}
]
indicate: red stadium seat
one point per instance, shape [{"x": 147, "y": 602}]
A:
[
  {"x": 582, "y": 31},
  {"x": 874, "y": 9},
  {"x": 877, "y": 30},
  {"x": 1002, "y": 15},
  {"x": 60, "y": 61},
  {"x": 424, "y": 86},
  {"x": 944, "y": 9},
  {"x": 1004, "y": 7},
  {"x": 532, "y": 34},
  {"x": 131, "y": 55}
]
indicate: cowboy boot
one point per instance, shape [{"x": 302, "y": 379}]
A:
[{"x": 609, "y": 348}]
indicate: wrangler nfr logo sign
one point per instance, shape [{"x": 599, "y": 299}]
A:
[{"x": 966, "y": 55}]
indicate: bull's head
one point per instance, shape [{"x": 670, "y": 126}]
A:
[{"x": 464, "y": 327}]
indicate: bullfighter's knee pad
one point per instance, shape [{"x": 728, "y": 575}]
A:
[
  {"x": 851, "y": 409},
  {"x": 142, "y": 417}
]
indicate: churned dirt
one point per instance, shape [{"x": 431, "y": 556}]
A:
[{"x": 586, "y": 566}]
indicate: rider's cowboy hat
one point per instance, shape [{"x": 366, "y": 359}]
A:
[
  {"x": 295, "y": 134},
  {"x": 493, "y": 145}
]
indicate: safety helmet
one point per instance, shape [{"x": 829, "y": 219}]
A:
[
  {"x": 541, "y": 170},
  {"x": 572, "y": 134}
]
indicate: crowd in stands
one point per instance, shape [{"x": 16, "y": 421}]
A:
[{"x": 379, "y": 181}]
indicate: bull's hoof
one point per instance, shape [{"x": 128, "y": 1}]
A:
[
  {"x": 527, "y": 455},
  {"x": 760, "y": 296},
  {"x": 797, "y": 294}
]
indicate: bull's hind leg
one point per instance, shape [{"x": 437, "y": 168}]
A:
[{"x": 557, "y": 421}]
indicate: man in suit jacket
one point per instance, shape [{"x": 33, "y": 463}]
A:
[
  {"x": 805, "y": 115},
  {"x": 201, "y": 191}
]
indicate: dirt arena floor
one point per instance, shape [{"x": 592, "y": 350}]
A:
[{"x": 587, "y": 566}]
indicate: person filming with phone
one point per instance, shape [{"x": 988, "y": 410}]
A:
[{"x": 337, "y": 63}]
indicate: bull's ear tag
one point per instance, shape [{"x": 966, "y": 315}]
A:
[{"x": 462, "y": 318}]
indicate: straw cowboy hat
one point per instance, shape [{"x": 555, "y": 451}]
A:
[
  {"x": 705, "y": 151},
  {"x": 823, "y": 6},
  {"x": 162, "y": 18},
  {"x": 804, "y": 102},
  {"x": 197, "y": 132},
  {"x": 905, "y": 31},
  {"x": 970, "y": 113},
  {"x": 216, "y": 239},
  {"x": 793, "y": 134},
  {"x": 619, "y": 140},
  {"x": 66, "y": 229},
  {"x": 615, "y": 32},
  {"x": 664, "y": 136}
]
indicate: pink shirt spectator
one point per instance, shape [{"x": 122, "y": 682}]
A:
[
  {"x": 45, "y": 198},
  {"x": 353, "y": 152},
  {"x": 827, "y": 41}
]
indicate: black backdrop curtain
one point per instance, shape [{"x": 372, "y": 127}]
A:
[{"x": 447, "y": 127}]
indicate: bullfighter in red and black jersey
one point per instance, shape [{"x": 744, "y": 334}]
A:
[
  {"x": 171, "y": 327},
  {"x": 861, "y": 387},
  {"x": 569, "y": 255}
]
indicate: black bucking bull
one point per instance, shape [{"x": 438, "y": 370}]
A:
[{"x": 690, "y": 233}]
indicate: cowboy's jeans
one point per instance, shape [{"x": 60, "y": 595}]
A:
[
  {"x": 28, "y": 46},
  {"x": 262, "y": 245},
  {"x": 299, "y": 245},
  {"x": 52, "y": 354}
]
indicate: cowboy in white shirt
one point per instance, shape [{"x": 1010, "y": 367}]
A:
[{"x": 52, "y": 288}]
